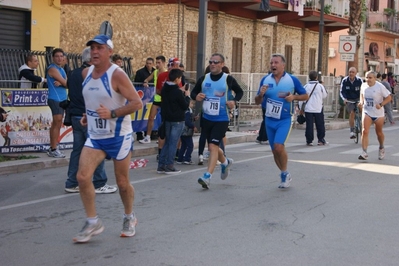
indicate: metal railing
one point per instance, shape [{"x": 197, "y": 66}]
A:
[
  {"x": 382, "y": 21},
  {"x": 331, "y": 7},
  {"x": 11, "y": 60},
  {"x": 250, "y": 82}
]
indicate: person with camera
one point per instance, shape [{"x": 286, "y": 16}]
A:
[
  {"x": 175, "y": 102},
  {"x": 57, "y": 93},
  {"x": 313, "y": 110},
  {"x": 75, "y": 109}
]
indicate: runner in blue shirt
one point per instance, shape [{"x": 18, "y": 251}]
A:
[
  {"x": 280, "y": 89},
  {"x": 214, "y": 91}
]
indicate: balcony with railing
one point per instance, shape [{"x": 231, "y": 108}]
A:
[
  {"x": 336, "y": 14},
  {"x": 384, "y": 23},
  {"x": 336, "y": 8}
]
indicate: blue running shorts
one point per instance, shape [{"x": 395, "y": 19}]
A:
[
  {"x": 115, "y": 148},
  {"x": 278, "y": 130}
]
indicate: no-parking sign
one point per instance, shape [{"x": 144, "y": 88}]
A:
[{"x": 347, "y": 44}]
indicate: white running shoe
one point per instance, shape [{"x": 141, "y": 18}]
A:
[
  {"x": 129, "y": 227},
  {"x": 55, "y": 153},
  {"x": 88, "y": 231},
  {"x": 106, "y": 189},
  {"x": 285, "y": 181},
  {"x": 206, "y": 156},
  {"x": 205, "y": 180},
  {"x": 363, "y": 156},
  {"x": 201, "y": 160},
  {"x": 146, "y": 140},
  {"x": 381, "y": 154},
  {"x": 225, "y": 169},
  {"x": 72, "y": 189}
]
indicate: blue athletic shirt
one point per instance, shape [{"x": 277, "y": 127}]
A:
[
  {"x": 57, "y": 94},
  {"x": 216, "y": 92},
  {"x": 276, "y": 106}
]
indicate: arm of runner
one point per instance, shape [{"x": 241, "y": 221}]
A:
[{"x": 196, "y": 93}]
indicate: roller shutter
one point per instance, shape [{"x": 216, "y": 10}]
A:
[{"x": 14, "y": 29}]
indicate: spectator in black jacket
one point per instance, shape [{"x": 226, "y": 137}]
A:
[
  {"x": 175, "y": 102},
  {"x": 350, "y": 94},
  {"x": 146, "y": 71},
  {"x": 76, "y": 108},
  {"x": 27, "y": 73}
]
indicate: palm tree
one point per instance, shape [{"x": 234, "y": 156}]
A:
[{"x": 356, "y": 19}]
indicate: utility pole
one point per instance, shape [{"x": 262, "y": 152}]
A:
[
  {"x": 202, "y": 17},
  {"x": 321, "y": 33}
]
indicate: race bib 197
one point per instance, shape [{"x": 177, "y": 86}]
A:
[{"x": 96, "y": 124}]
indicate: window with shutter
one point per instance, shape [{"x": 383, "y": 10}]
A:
[{"x": 237, "y": 55}]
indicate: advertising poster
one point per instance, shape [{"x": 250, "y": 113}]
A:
[
  {"x": 28, "y": 122},
  {"x": 140, "y": 118}
]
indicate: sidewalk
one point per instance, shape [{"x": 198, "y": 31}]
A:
[
  {"x": 246, "y": 134},
  {"x": 139, "y": 150}
]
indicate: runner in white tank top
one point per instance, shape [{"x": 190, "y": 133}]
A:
[
  {"x": 99, "y": 92},
  {"x": 110, "y": 98}
]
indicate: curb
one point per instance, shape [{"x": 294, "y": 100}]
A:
[{"x": 22, "y": 166}]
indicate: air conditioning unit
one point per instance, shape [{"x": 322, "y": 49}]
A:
[
  {"x": 389, "y": 51},
  {"x": 331, "y": 52}
]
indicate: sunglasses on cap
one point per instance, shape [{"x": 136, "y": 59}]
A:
[{"x": 215, "y": 62}]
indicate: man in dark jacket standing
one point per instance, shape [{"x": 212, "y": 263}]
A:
[
  {"x": 146, "y": 71},
  {"x": 175, "y": 101},
  {"x": 76, "y": 108},
  {"x": 27, "y": 73},
  {"x": 350, "y": 94}
]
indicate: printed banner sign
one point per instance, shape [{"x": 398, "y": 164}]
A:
[{"x": 29, "y": 120}]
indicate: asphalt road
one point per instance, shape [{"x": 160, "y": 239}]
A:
[{"x": 338, "y": 211}]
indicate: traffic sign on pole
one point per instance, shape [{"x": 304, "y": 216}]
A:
[
  {"x": 347, "y": 44},
  {"x": 347, "y": 57}
]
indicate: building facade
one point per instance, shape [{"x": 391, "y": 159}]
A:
[
  {"x": 246, "y": 35},
  {"x": 380, "y": 39},
  {"x": 240, "y": 30}
]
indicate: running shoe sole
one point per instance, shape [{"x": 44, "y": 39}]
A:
[
  {"x": 88, "y": 237},
  {"x": 203, "y": 183}
]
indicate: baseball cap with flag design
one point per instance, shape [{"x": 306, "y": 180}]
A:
[{"x": 173, "y": 60}]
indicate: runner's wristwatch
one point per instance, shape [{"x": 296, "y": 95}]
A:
[{"x": 113, "y": 114}]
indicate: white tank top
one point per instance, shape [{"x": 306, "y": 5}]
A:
[{"x": 100, "y": 91}]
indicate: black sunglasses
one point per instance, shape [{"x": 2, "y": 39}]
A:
[{"x": 214, "y": 62}]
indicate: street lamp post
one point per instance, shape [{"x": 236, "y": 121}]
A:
[
  {"x": 203, "y": 8},
  {"x": 202, "y": 17},
  {"x": 321, "y": 33}
]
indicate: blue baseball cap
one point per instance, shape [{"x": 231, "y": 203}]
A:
[{"x": 101, "y": 39}]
